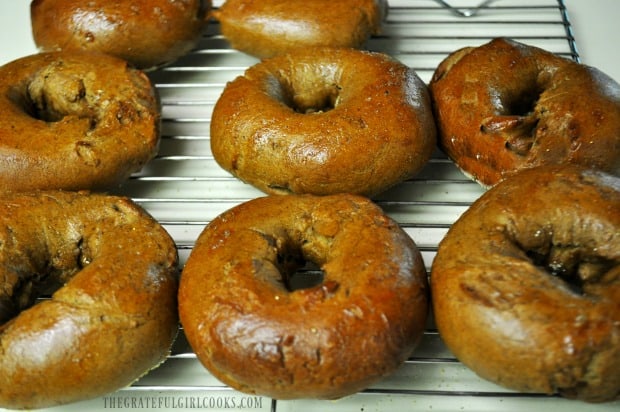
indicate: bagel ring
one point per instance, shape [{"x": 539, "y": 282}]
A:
[
  {"x": 257, "y": 332},
  {"x": 506, "y": 106},
  {"x": 146, "y": 33},
  {"x": 324, "y": 121},
  {"x": 269, "y": 28},
  {"x": 111, "y": 271},
  {"x": 526, "y": 284},
  {"x": 74, "y": 121}
]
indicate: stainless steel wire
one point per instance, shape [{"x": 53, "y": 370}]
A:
[{"x": 185, "y": 189}]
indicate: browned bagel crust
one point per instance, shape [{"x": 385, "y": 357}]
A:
[
  {"x": 324, "y": 121},
  {"x": 269, "y": 28},
  {"x": 146, "y": 33},
  {"x": 506, "y": 106},
  {"x": 113, "y": 316},
  {"x": 526, "y": 284},
  {"x": 326, "y": 341},
  {"x": 74, "y": 121}
]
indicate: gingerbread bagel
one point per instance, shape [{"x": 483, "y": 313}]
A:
[
  {"x": 506, "y": 106},
  {"x": 526, "y": 284},
  {"x": 324, "y": 121},
  {"x": 146, "y": 33},
  {"x": 74, "y": 121},
  {"x": 88, "y": 304},
  {"x": 273, "y": 27},
  {"x": 257, "y": 328}
]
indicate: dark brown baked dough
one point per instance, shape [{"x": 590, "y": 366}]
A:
[
  {"x": 506, "y": 106},
  {"x": 146, "y": 33},
  {"x": 111, "y": 271},
  {"x": 526, "y": 284},
  {"x": 324, "y": 121},
  {"x": 74, "y": 121},
  {"x": 272, "y": 27},
  {"x": 253, "y": 332}
]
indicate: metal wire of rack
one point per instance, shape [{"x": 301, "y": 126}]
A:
[{"x": 184, "y": 189}]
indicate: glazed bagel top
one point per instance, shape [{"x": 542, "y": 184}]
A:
[
  {"x": 526, "y": 284},
  {"x": 269, "y": 28},
  {"x": 506, "y": 106},
  {"x": 74, "y": 121},
  {"x": 146, "y": 33},
  {"x": 324, "y": 121},
  {"x": 257, "y": 332},
  {"x": 111, "y": 271}
]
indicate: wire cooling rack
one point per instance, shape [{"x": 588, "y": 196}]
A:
[{"x": 185, "y": 189}]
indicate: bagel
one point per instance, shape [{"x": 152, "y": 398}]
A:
[
  {"x": 269, "y": 28},
  {"x": 146, "y": 33},
  {"x": 74, "y": 121},
  {"x": 526, "y": 284},
  {"x": 507, "y": 106},
  {"x": 324, "y": 121},
  {"x": 111, "y": 271},
  {"x": 255, "y": 329}
]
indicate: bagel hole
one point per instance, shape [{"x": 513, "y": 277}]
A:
[
  {"x": 319, "y": 102},
  {"x": 524, "y": 102},
  {"x": 556, "y": 269},
  {"x": 38, "y": 109},
  {"x": 28, "y": 289},
  {"x": 309, "y": 97},
  {"x": 306, "y": 277},
  {"x": 299, "y": 273},
  {"x": 296, "y": 270},
  {"x": 568, "y": 265},
  {"x": 52, "y": 95}
]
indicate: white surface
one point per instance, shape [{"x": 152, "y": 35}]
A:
[
  {"x": 596, "y": 30},
  {"x": 15, "y": 36},
  {"x": 595, "y": 27}
]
